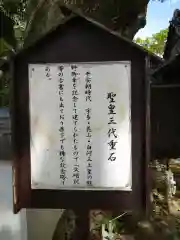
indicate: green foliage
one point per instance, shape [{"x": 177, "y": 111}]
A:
[
  {"x": 5, "y": 48},
  {"x": 13, "y": 21},
  {"x": 155, "y": 43},
  {"x": 12, "y": 15},
  {"x": 7, "y": 32}
]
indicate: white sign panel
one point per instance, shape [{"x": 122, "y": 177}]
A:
[{"x": 80, "y": 125}]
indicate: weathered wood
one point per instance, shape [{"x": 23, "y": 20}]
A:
[{"x": 82, "y": 224}]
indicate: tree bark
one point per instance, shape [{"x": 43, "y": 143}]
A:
[{"x": 122, "y": 16}]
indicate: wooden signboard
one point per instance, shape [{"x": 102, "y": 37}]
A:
[{"x": 79, "y": 121}]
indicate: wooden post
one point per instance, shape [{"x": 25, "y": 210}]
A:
[
  {"x": 148, "y": 135},
  {"x": 82, "y": 224}
]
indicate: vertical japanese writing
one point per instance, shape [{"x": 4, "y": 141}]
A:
[
  {"x": 62, "y": 154},
  {"x": 48, "y": 73},
  {"x": 88, "y": 86},
  {"x": 88, "y": 112},
  {"x": 112, "y": 134},
  {"x": 75, "y": 118}
]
